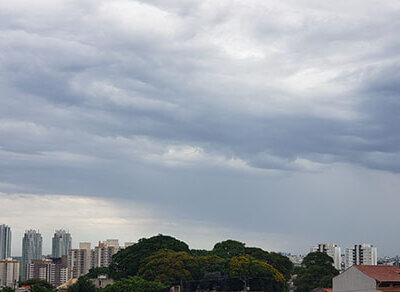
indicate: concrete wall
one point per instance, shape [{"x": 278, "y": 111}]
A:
[{"x": 352, "y": 280}]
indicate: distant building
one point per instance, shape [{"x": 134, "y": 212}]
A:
[
  {"x": 78, "y": 262},
  {"x": 102, "y": 254},
  {"x": 5, "y": 242},
  {"x": 31, "y": 250},
  {"x": 61, "y": 243},
  {"x": 361, "y": 254},
  {"x": 54, "y": 271},
  {"x": 331, "y": 250},
  {"x": 102, "y": 281},
  {"x": 85, "y": 245},
  {"x": 368, "y": 279},
  {"x": 81, "y": 260},
  {"x": 9, "y": 273}
]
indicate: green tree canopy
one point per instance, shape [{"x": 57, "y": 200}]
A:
[
  {"x": 38, "y": 285},
  {"x": 200, "y": 252},
  {"x": 279, "y": 262},
  {"x": 95, "y": 272},
  {"x": 135, "y": 284},
  {"x": 259, "y": 274},
  {"x": 229, "y": 248},
  {"x": 84, "y": 284},
  {"x": 317, "y": 271},
  {"x": 212, "y": 264},
  {"x": 282, "y": 263},
  {"x": 6, "y": 289},
  {"x": 127, "y": 261},
  {"x": 317, "y": 259},
  {"x": 170, "y": 267}
]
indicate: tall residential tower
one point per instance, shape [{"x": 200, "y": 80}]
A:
[
  {"x": 31, "y": 250},
  {"x": 361, "y": 254},
  {"x": 5, "y": 242},
  {"x": 331, "y": 250},
  {"x": 61, "y": 243}
]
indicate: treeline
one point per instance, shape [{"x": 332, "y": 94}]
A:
[
  {"x": 157, "y": 263},
  {"x": 165, "y": 261}
]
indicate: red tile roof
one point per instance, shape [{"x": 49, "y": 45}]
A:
[
  {"x": 381, "y": 273},
  {"x": 327, "y": 289}
]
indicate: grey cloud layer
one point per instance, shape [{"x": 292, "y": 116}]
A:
[{"x": 106, "y": 97}]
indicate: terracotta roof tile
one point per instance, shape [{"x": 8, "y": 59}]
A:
[{"x": 381, "y": 273}]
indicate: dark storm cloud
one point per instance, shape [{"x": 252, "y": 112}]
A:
[{"x": 215, "y": 101}]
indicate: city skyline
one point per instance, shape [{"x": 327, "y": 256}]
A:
[
  {"x": 322, "y": 247},
  {"x": 270, "y": 122}
]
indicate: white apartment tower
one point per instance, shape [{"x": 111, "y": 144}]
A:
[
  {"x": 78, "y": 262},
  {"x": 9, "y": 273},
  {"x": 31, "y": 250},
  {"x": 61, "y": 243},
  {"x": 102, "y": 254},
  {"x": 5, "y": 242},
  {"x": 331, "y": 250},
  {"x": 361, "y": 254}
]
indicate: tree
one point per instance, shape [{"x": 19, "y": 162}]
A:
[
  {"x": 135, "y": 284},
  {"x": 278, "y": 261},
  {"x": 37, "y": 288},
  {"x": 200, "y": 252},
  {"x": 84, "y": 284},
  {"x": 170, "y": 267},
  {"x": 96, "y": 272},
  {"x": 229, "y": 248},
  {"x": 38, "y": 285},
  {"x": 258, "y": 274},
  {"x": 127, "y": 261},
  {"x": 212, "y": 264},
  {"x": 317, "y": 271},
  {"x": 317, "y": 259},
  {"x": 281, "y": 263},
  {"x": 7, "y": 289}
]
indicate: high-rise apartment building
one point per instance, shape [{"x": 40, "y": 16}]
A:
[
  {"x": 331, "y": 250},
  {"x": 78, "y": 262},
  {"x": 9, "y": 273},
  {"x": 102, "y": 254},
  {"x": 5, "y": 242},
  {"x": 81, "y": 260},
  {"x": 61, "y": 243},
  {"x": 31, "y": 250},
  {"x": 55, "y": 271},
  {"x": 361, "y": 254}
]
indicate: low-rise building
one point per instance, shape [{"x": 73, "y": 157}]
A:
[{"x": 368, "y": 279}]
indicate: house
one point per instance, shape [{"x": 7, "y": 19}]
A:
[{"x": 368, "y": 279}]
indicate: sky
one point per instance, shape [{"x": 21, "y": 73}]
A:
[{"x": 271, "y": 122}]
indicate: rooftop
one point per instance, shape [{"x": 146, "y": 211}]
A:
[{"x": 381, "y": 273}]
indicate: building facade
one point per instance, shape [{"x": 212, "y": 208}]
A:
[
  {"x": 5, "y": 242},
  {"x": 361, "y": 254},
  {"x": 31, "y": 250},
  {"x": 81, "y": 260},
  {"x": 9, "y": 273},
  {"x": 54, "y": 271},
  {"x": 78, "y": 262},
  {"x": 331, "y": 250},
  {"x": 102, "y": 254},
  {"x": 61, "y": 243},
  {"x": 368, "y": 279}
]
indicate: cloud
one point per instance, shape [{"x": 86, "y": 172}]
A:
[
  {"x": 94, "y": 219},
  {"x": 176, "y": 103}
]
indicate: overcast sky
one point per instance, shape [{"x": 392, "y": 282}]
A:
[{"x": 272, "y": 122}]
